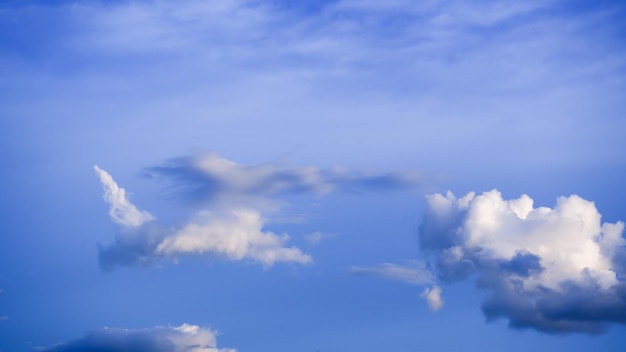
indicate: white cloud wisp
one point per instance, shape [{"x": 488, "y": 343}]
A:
[
  {"x": 433, "y": 298},
  {"x": 208, "y": 176},
  {"x": 121, "y": 211}
]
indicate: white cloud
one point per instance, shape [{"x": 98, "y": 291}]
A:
[
  {"x": 234, "y": 234},
  {"x": 413, "y": 273},
  {"x": 237, "y": 235},
  {"x": 184, "y": 338},
  {"x": 121, "y": 210},
  {"x": 433, "y": 298},
  {"x": 542, "y": 259},
  {"x": 234, "y": 197}
]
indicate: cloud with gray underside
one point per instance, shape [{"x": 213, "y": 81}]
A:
[
  {"x": 232, "y": 233},
  {"x": 184, "y": 338},
  {"x": 556, "y": 270},
  {"x": 235, "y": 201},
  {"x": 209, "y": 176}
]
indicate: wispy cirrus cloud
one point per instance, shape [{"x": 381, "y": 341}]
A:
[
  {"x": 557, "y": 270},
  {"x": 184, "y": 338}
]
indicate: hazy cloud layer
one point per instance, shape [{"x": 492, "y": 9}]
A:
[
  {"x": 234, "y": 234},
  {"x": 557, "y": 269},
  {"x": 209, "y": 177},
  {"x": 185, "y": 338}
]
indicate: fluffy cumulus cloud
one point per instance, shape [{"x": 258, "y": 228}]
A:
[
  {"x": 235, "y": 234},
  {"x": 557, "y": 269},
  {"x": 185, "y": 338}
]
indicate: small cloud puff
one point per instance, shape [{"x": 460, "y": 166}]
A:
[
  {"x": 557, "y": 270},
  {"x": 433, "y": 298},
  {"x": 185, "y": 338}
]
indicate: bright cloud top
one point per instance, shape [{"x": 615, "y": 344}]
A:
[
  {"x": 121, "y": 210},
  {"x": 554, "y": 269},
  {"x": 185, "y": 338},
  {"x": 235, "y": 234},
  {"x": 208, "y": 177}
]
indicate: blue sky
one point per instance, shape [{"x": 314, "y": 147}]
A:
[{"x": 273, "y": 176}]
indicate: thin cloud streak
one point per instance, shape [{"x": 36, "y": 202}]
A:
[{"x": 414, "y": 273}]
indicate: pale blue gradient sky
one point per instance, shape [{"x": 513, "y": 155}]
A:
[{"x": 526, "y": 97}]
